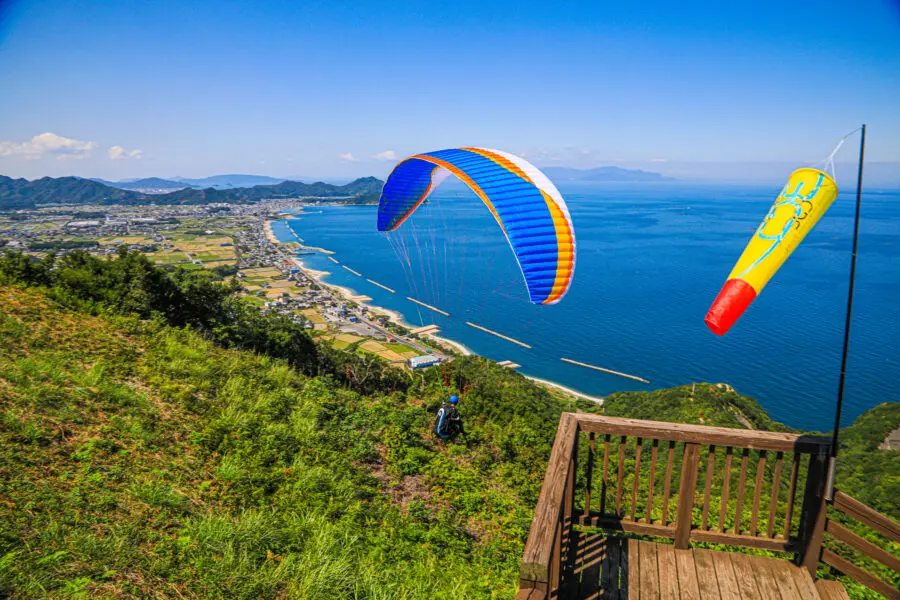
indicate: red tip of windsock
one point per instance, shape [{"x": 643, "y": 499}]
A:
[{"x": 730, "y": 304}]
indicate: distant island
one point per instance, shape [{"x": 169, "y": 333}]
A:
[
  {"x": 602, "y": 174},
  {"x": 21, "y": 194}
]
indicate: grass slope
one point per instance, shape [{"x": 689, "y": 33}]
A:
[{"x": 141, "y": 460}]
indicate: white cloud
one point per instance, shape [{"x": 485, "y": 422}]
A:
[
  {"x": 349, "y": 157},
  {"x": 386, "y": 155},
  {"x": 658, "y": 160},
  {"x": 48, "y": 143},
  {"x": 120, "y": 153}
]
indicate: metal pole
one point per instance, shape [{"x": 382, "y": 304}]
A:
[{"x": 840, "y": 399}]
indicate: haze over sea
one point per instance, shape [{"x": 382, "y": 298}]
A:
[{"x": 651, "y": 259}]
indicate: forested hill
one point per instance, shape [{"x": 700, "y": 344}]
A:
[
  {"x": 21, "y": 193},
  {"x": 160, "y": 438}
]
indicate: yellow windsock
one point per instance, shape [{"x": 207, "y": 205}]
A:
[{"x": 802, "y": 202}]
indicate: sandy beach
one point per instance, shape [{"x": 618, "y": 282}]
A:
[
  {"x": 567, "y": 390},
  {"x": 270, "y": 235},
  {"x": 454, "y": 344}
]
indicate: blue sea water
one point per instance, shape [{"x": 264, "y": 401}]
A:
[{"x": 651, "y": 259}]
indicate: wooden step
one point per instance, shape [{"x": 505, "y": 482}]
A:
[{"x": 831, "y": 590}]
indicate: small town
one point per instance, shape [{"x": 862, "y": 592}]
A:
[{"x": 225, "y": 241}]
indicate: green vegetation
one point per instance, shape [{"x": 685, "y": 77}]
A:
[
  {"x": 159, "y": 437},
  {"x": 61, "y": 245},
  {"x": 700, "y": 404}
]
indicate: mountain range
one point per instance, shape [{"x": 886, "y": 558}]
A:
[
  {"x": 236, "y": 189},
  {"x": 21, "y": 193},
  {"x": 219, "y": 182}
]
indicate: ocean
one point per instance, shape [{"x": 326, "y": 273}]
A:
[{"x": 651, "y": 259}]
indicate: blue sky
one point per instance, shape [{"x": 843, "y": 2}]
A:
[{"x": 338, "y": 89}]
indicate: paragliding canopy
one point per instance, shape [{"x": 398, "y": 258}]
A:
[{"x": 527, "y": 206}]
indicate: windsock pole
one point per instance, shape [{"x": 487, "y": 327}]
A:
[{"x": 829, "y": 487}]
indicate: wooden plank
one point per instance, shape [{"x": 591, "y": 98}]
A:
[
  {"x": 728, "y": 585},
  {"x": 687, "y": 575},
  {"x": 636, "y": 486},
  {"x": 670, "y": 460},
  {"x": 649, "y": 568},
  {"x": 707, "y": 488},
  {"x": 847, "y": 568},
  {"x": 605, "y": 472},
  {"x": 555, "y": 559},
  {"x": 611, "y": 573},
  {"x": 784, "y": 580},
  {"x": 749, "y": 541},
  {"x": 868, "y": 516},
  {"x": 702, "y": 434},
  {"x": 865, "y": 546},
  {"x": 684, "y": 514},
  {"x": 726, "y": 489},
  {"x": 746, "y": 581},
  {"x": 706, "y": 576},
  {"x": 589, "y": 475},
  {"x": 757, "y": 490},
  {"x": 792, "y": 491},
  {"x": 765, "y": 579},
  {"x": 567, "y": 551},
  {"x": 612, "y": 523},
  {"x": 804, "y": 583},
  {"x": 668, "y": 572},
  {"x": 592, "y": 558},
  {"x": 631, "y": 566},
  {"x": 652, "y": 484},
  {"x": 831, "y": 590},
  {"x": 536, "y": 557},
  {"x": 742, "y": 482},
  {"x": 776, "y": 491},
  {"x": 622, "y": 441}
]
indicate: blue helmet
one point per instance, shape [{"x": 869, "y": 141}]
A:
[{"x": 454, "y": 399}]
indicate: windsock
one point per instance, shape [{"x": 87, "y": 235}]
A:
[{"x": 802, "y": 202}]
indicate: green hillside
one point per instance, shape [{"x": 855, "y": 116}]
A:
[
  {"x": 160, "y": 439},
  {"x": 141, "y": 459}
]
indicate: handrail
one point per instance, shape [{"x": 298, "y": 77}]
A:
[
  {"x": 869, "y": 517},
  {"x": 703, "y": 434},
  {"x": 544, "y": 537}
]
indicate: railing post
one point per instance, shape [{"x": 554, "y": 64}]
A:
[
  {"x": 567, "y": 525},
  {"x": 685, "y": 514},
  {"x": 590, "y": 475},
  {"x": 815, "y": 508}
]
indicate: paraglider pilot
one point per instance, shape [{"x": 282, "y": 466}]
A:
[{"x": 448, "y": 423}]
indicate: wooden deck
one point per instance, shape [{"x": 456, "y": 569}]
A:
[
  {"x": 615, "y": 567},
  {"x": 754, "y": 489}
]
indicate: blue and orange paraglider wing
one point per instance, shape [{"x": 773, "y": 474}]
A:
[{"x": 527, "y": 206}]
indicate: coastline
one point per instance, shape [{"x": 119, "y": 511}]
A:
[
  {"x": 397, "y": 318},
  {"x": 270, "y": 235},
  {"x": 552, "y": 384}
]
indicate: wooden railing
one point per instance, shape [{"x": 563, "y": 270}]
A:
[
  {"x": 685, "y": 482},
  {"x": 888, "y": 529}
]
